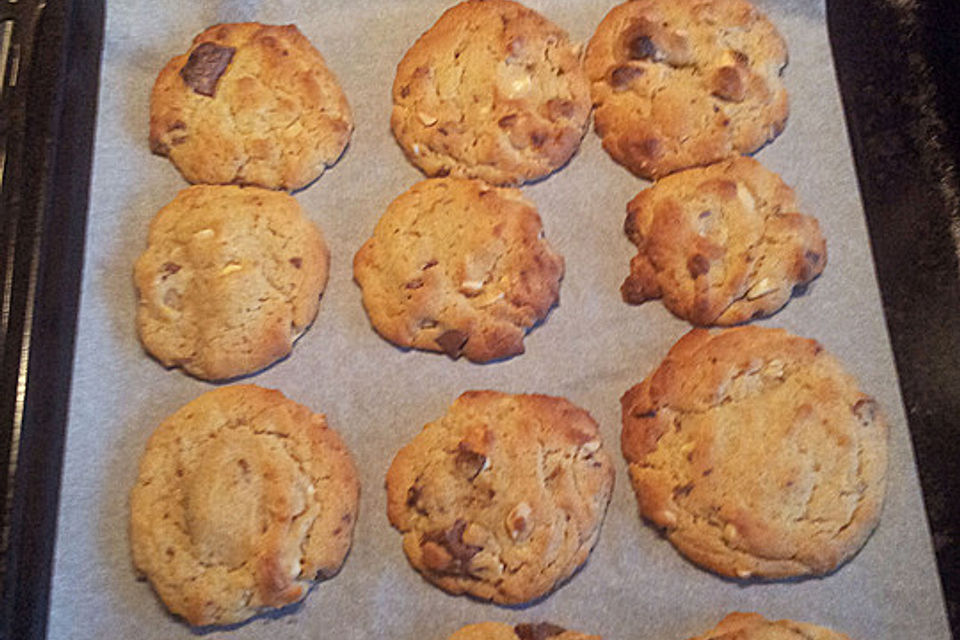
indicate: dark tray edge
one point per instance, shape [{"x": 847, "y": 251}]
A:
[
  {"x": 62, "y": 88},
  {"x": 918, "y": 279}
]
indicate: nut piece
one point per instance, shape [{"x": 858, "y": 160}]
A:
[
  {"x": 518, "y": 522},
  {"x": 205, "y": 66}
]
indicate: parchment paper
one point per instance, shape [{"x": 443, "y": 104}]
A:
[{"x": 590, "y": 349}]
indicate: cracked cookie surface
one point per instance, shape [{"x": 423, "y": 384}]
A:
[
  {"x": 721, "y": 244},
  {"x": 458, "y": 266},
  {"x": 680, "y": 84},
  {"x": 230, "y": 278},
  {"x": 494, "y": 91},
  {"x": 752, "y": 626},
  {"x": 249, "y": 104},
  {"x": 503, "y": 497},
  {"x": 523, "y": 631},
  {"x": 243, "y": 499},
  {"x": 756, "y": 453}
]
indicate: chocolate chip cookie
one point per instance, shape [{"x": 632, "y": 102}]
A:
[
  {"x": 458, "y": 266},
  {"x": 494, "y": 91},
  {"x": 230, "y": 278},
  {"x": 502, "y": 498},
  {"x": 756, "y": 453},
  {"x": 680, "y": 84},
  {"x": 721, "y": 244},
  {"x": 243, "y": 499},
  {"x": 752, "y": 626},
  {"x": 523, "y": 631},
  {"x": 249, "y": 104}
]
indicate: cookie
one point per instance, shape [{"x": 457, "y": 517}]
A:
[
  {"x": 243, "y": 499},
  {"x": 752, "y": 626},
  {"x": 501, "y": 498},
  {"x": 458, "y": 266},
  {"x": 721, "y": 244},
  {"x": 680, "y": 84},
  {"x": 249, "y": 104},
  {"x": 494, "y": 91},
  {"x": 230, "y": 278},
  {"x": 756, "y": 453},
  {"x": 523, "y": 631}
]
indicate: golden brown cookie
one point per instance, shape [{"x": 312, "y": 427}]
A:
[
  {"x": 721, "y": 244},
  {"x": 503, "y": 497},
  {"x": 243, "y": 499},
  {"x": 230, "y": 278},
  {"x": 458, "y": 266},
  {"x": 493, "y": 90},
  {"x": 752, "y": 626},
  {"x": 680, "y": 83},
  {"x": 523, "y": 631},
  {"x": 756, "y": 453},
  {"x": 249, "y": 104}
]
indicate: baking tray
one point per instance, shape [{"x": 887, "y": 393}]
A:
[{"x": 59, "y": 192}]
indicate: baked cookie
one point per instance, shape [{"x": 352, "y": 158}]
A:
[
  {"x": 493, "y": 90},
  {"x": 230, "y": 278},
  {"x": 502, "y": 498},
  {"x": 684, "y": 83},
  {"x": 752, "y": 626},
  {"x": 458, "y": 266},
  {"x": 523, "y": 631},
  {"x": 249, "y": 104},
  {"x": 721, "y": 244},
  {"x": 756, "y": 453},
  {"x": 243, "y": 499}
]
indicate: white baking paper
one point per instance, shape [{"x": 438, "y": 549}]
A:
[{"x": 590, "y": 349}]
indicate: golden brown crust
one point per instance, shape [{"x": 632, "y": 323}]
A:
[
  {"x": 523, "y": 631},
  {"x": 503, "y": 497},
  {"x": 721, "y": 244},
  {"x": 243, "y": 499},
  {"x": 752, "y": 626},
  {"x": 684, "y": 83},
  {"x": 494, "y": 91},
  {"x": 230, "y": 278},
  {"x": 274, "y": 116},
  {"x": 756, "y": 453},
  {"x": 457, "y": 266}
]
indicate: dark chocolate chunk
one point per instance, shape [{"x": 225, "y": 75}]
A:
[
  {"x": 170, "y": 268},
  {"x": 621, "y": 77},
  {"x": 205, "y": 66},
  {"x": 470, "y": 462},
  {"x": 296, "y": 262},
  {"x": 452, "y": 341},
  {"x": 538, "y": 631},
  {"x": 557, "y": 108},
  {"x": 452, "y": 540},
  {"x": 507, "y": 121},
  {"x": 698, "y": 265},
  {"x": 414, "y": 284},
  {"x": 642, "y": 48}
]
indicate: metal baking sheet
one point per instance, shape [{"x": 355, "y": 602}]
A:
[{"x": 590, "y": 349}]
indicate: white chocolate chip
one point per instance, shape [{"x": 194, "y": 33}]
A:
[
  {"x": 589, "y": 448},
  {"x": 730, "y": 532},
  {"x": 203, "y": 234},
  {"x": 471, "y": 287},
  {"x": 667, "y": 517},
  {"x": 761, "y": 289},
  {"x": 427, "y": 119},
  {"x": 230, "y": 268}
]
